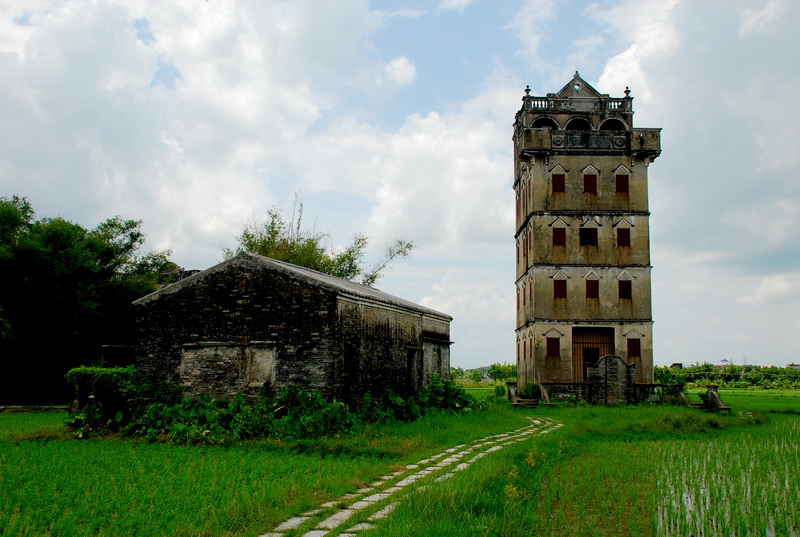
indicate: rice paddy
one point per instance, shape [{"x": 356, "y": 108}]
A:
[{"x": 657, "y": 471}]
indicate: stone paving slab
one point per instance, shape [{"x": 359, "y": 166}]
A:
[{"x": 384, "y": 488}]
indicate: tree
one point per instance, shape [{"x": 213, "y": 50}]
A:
[
  {"x": 287, "y": 240},
  {"x": 499, "y": 372},
  {"x": 67, "y": 291}
]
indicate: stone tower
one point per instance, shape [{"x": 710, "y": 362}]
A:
[{"x": 582, "y": 233}]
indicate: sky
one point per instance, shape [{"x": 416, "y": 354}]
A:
[{"x": 394, "y": 119}]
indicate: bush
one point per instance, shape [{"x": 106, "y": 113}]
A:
[
  {"x": 107, "y": 398},
  {"x": 530, "y": 391},
  {"x": 295, "y": 414}
]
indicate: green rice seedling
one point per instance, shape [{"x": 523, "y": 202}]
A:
[
  {"x": 744, "y": 483},
  {"x": 17, "y": 425}
]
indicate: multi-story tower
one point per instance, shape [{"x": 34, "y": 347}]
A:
[{"x": 583, "y": 241}]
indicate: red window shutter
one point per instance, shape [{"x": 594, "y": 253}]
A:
[
  {"x": 623, "y": 237},
  {"x": 559, "y": 236},
  {"x": 587, "y": 236},
  {"x": 634, "y": 348},
  {"x": 559, "y": 288},
  {"x": 592, "y": 288},
  {"x": 590, "y": 183},
  {"x": 622, "y": 183},
  {"x": 553, "y": 347},
  {"x": 559, "y": 182},
  {"x": 625, "y": 289}
]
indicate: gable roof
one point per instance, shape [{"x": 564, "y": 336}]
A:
[
  {"x": 305, "y": 275},
  {"x": 578, "y": 88}
]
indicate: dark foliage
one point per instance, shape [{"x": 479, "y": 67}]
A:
[
  {"x": 67, "y": 290},
  {"x": 119, "y": 401}
]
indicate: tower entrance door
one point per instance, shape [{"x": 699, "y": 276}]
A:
[{"x": 588, "y": 346}]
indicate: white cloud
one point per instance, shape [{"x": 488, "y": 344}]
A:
[
  {"x": 457, "y": 5},
  {"x": 401, "y": 71},
  {"x": 773, "y": 288},
  {"x": 755, "y": 21},
  {"x": 532, "y": 24}
]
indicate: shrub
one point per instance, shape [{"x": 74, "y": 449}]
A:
[
  {"x": 530, "y": 391},
  {"x": 295, "y": 414},
  {"x": 108, "y": 398}
]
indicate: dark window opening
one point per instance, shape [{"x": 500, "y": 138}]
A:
[
  {"x": 588, "y": 236},
  {"x": 559, "y": 182},
  {"x": 559, "y": 288},
  {"x": 623, "y": 237},
  {"x": 592, "y": 288},
  {"x": 559, "y": 236},
  {"x": 613, "y": 125},
  {"x": 579, "y": 124},
  {"x": 590, "y": 184},
  {"x": 553, "y": 347},
  {"x": 625, "y": 289},
  {"x": 544, "y": 123},
  {"x": 634, "y": 348},
  {"x": 622, "y": 183}
]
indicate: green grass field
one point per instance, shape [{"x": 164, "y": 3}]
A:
[{"x": 609, "y": 471}]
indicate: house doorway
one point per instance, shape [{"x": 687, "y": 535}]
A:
[{"x": 588, "y": 346}]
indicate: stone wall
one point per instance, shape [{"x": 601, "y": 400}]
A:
[
  {"x": 238, "y": 306},
  {"x": 239, "y": 326}
]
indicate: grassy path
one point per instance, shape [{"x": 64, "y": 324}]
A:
[{"x": 357, "y": 511}]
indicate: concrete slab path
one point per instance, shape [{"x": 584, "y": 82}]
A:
[{"x": 376, "y": 501}]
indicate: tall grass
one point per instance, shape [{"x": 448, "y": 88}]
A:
[
  {"x": 51, "y": 486},
  {"x": 602, "y": 474},
  {"x": 609, "y": 471}
]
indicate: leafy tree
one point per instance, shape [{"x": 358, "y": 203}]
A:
[
  {"x": 500, "y": 372},
  {"x": 288, "y": 240},
  {"x": 67, "y": 291},
  {"x": 475, "y": 375}
]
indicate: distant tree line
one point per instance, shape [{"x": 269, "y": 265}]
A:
[
  {"x": 496, "y": 372},
  {"x": 731, "y": 376}
]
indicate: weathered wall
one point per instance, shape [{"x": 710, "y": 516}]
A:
[
  {"x": 384, "y": 348},
  {"x": 239, "y": 305},
  {"x": 238, "y": 326}
]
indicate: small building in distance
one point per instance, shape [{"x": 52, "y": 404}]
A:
[
  {"x": 582, "y": 236},
  {"x": 252, "y": 322}
]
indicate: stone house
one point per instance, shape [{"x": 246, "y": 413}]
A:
[
  {"x": 252, "y": 322},
  {"x": 582, "y": 235}
]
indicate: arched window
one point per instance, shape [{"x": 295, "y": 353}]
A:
[
  {"x": 544, "y": 123},
  {"x": 578, "y": 124},
  {"x": 613, "y": 125}
]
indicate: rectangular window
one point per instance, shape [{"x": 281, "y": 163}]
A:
[
  {"x": 553, "y": 347},
  {"x": 623, "y": 236},
  {"x": 625, "y": 289},
  {"x": 634, "y": 348},
  {"x": 590, "y": 184},
  {"x": 588, "y": 236},
  {"x": 559, "y": 236},
  {"x": 622, "y": 183},
  {"x": 559, "y": 288},
  {"x": 592, "y": 288},
  {"x": 559, "y": 182}
]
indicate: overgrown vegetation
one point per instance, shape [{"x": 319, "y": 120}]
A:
[{"x": 121, "y": 399}]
